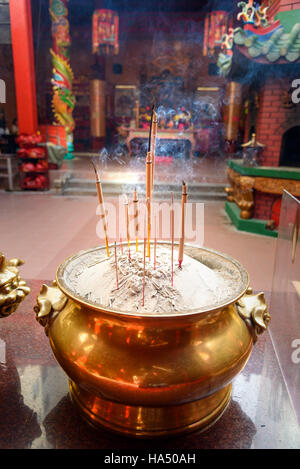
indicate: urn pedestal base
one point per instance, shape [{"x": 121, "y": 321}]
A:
[{"x": 151, "y": 422}]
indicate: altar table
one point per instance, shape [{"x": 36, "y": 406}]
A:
[{"x": 162, "y": 134}]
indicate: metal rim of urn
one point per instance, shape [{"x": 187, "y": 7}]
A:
[{"x": 89, "y": 304}]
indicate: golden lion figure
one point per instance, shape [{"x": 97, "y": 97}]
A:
[{"x": 12, "y": 289}]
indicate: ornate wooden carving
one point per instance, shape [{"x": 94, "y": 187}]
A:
[
  {"x": 241, "y": 189},
  {"x": 276, "y": 186},
  {"x": 241, "y": 192}
]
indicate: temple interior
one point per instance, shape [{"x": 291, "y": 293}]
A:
[{"x": 108, "y": 101}]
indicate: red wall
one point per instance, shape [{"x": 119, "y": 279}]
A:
[
  {"x": 287, "y": 5},
  {"x": 263, "y": 205},
  {"x": 270, "y": 122},
  {"x": 274, "y": 118}
]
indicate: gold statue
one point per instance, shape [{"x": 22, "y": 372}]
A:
[{"x": 12, "y": 289}]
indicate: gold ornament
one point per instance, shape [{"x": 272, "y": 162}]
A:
[{"x": 12, "y": 289}]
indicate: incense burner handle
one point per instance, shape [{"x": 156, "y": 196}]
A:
[
  {"x": 50, "y": 302},
  {"x": 254, "y": 311}
]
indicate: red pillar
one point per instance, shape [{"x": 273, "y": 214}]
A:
[{"x": 23, "y": 57}]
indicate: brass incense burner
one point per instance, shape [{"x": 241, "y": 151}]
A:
[
  {"x": 12, "y": 289},
  {"x": 152, "y": 375}
]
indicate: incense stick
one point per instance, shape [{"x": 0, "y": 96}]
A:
[
  {"x": 127, "y": 218},
  {"x": 116, "y": 264},
  {"x": 153, "y": 145},
  {"x": 172, "y": 235},
  {"x": 155, "y": 242},
  {"x": 148, "y": 195},
  {"x": 144, "y": 269},
  {"x": 136, "y": 217},
  {"x": 102, "y": 207},
  {"x": 181, "y": 242},
  {"x": 127, "y": 223},
  {"x": 150, "y": 131},
  {"x": 149, "y": 226},
  {"x": 149, "y": 177}
]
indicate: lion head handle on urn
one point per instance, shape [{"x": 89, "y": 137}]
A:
[
  {"x": 50, "y": 302},
  {"x": 12, "y": 289},
  {"x": 254, "y": 311}
]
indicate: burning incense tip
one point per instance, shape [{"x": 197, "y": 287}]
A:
[
  {"x": 150, "y": 132},
  {"x": 94, "y": 166},
  {"x": 153, "y": 146}
]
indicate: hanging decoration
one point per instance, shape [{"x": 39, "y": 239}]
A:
[
  {"x": 260, "y": 36},
  {"x": 215, "y": 26},
  {"x": 63, "y": 100},
  {"x": 253, "y": 13},
  {"x": 105, "y": 32},
  {"x": 225, "y": 56}
]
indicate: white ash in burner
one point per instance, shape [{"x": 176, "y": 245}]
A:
[{"x": 195, "y": 285}]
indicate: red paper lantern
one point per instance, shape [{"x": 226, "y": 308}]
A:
[
  {"x": 105, "y": 32},
  {"x": 27, "y": 167},
  {"x": 25, "y": 140}
]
